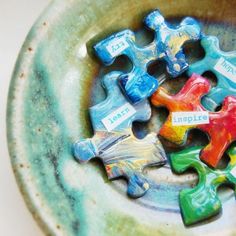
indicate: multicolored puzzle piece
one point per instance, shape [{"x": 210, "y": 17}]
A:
[
  {"x": 114, "y": 143},
  {"x": 202, "y": 202},
  {"x": 167, "y": 45},
  {"x": 169, "y": 40},
  {"x": 223, "y": 65},
  {"x": 220, "y": 126}
]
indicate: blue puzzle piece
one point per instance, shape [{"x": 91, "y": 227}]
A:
[
  {"x": 223, "y": 65},
  {"x": 170, "y": 40},
  {"x": 138, "y": 84},
  {"x": 122, "y": 153},
  {"x": 117, "y": 101},
  {"x": 167, "y": 45}
]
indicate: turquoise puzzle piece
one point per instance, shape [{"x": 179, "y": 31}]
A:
[
  {"x": 167, "y": 45},
  {"x": 122, "y": 153},
  {"x": 223, "y": 65},
  {"x": 202, "y": 201}
]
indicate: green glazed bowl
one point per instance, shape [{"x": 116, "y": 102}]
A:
[{"x": 56, "y": 79}]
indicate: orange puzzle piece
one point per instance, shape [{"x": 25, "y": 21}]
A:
[{"x": 186, "y": 112}]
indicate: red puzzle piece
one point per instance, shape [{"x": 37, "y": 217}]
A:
[{"x": 221, "y": 128}]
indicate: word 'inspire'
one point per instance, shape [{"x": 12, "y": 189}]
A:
[
  {"x": 190, "y": 118},
  {"x": 118, "y": 116}
]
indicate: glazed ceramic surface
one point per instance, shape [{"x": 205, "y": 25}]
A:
[{"x": 56, "y": 79}]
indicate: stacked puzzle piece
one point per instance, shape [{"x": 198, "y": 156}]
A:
[
  {"x": 167, "y": 45},
  {"x": 121, "y": 152},
  {"x": 193, "y": 107}
]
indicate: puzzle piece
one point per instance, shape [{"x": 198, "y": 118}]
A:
[
  {"x": 114, "y": 143},
  {"x": 202, "y": 202},
  {"x": 170, "y": 40},
  {"x": 223, "y": 65},
  {"x": 137, "y": 84},
  {"x": 220, "y": 126},
  {"x": 167, "y": 45}
]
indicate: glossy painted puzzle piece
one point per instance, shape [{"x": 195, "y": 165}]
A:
[
  {"x": 223, "y": 65},
  {"x": 202, "y": 201},
  {"x": 114, "y": 143},
  {"x": 219, "y": 126},
  {"x": 137, "y": 84},
  {"x": 167, "y": 45},
  {"x": 186, "y": 100},
  {"x": 169, "y": 40}
]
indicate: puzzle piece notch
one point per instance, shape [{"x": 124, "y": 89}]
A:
[
  {"x": 133, "y": 156},
  {"x": 118, "y": 105},
  {"x": 123, "y": 155},
  {"x": 202, "y": 201},
  {"x": 170, "y": 40},
  {"x": 223, "y": 65},
  {"x": 220, "y": 128},
  {"x": 187, "y": 99},
  {"x": 138, "y": 84}
]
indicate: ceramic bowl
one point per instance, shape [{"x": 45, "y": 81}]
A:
[{"x": 55, "y": 81}]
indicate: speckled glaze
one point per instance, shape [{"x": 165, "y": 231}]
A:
[{"x": 56, "y": 80}]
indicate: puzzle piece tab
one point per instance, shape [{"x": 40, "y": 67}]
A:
[
  {"x": 167, "y": 45},
  {"x": 223, "y": 65},
  {"x": 114, "y": 143},
  {"x": 137, "y": 84},
  {"x": 220, "y": 126},
  {"x": 169, "y": 40},
  {"x": 202, "y": 202}
]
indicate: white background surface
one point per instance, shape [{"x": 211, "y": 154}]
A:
[{"x": 16, "y": 19}]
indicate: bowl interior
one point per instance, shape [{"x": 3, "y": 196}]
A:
[{"x": 57, "y": 78}]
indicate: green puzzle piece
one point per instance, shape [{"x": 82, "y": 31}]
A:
[{"x": 202, "y": 202}]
